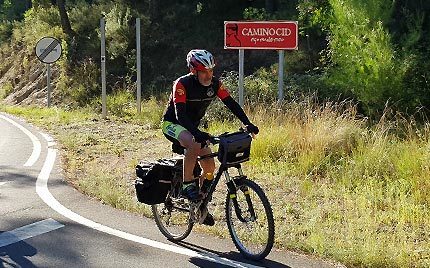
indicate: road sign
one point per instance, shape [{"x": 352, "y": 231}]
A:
[
  {"x": 48, "y": 50},
  {"x": 260, "y": 35}
]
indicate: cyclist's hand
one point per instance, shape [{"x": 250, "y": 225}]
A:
[
  {"x": 252, "y": 129},
  {"x": 201, "y": 137}
]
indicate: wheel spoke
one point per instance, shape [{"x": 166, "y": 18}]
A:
[
  {"x": 253, "y": 230},
  {"x": 173, "y": 219}
]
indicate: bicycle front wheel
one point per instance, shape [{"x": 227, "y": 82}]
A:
[
  {"x": 173, "y": 218},
  {"x": 250, "y": 220}
]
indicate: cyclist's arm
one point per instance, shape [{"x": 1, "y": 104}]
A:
[
  {"x": 232, "y": 105},
  {"x": 179, "y": 100}
]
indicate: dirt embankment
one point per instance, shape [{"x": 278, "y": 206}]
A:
[{"x": 23, "y": 77}]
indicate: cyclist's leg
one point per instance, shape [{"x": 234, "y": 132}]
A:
[
  {"x": 186, "y": 140},
  {"x": 192, "y": 152},
  {"x": 208, "y": 164}
]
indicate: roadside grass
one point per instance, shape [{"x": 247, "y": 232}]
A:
[{"x": 340, "y": 188}]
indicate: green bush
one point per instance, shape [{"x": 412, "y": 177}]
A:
[
  {"x": 80, "y": 92},
  {"x": 120, "y": 103},
  {"x": 6, "y": 29},
  {"x": 38, "y": 23},
  {"x": 364, "y": 62},
  {"x": 416, "y": 82},
  {"x": 5, "y": 90},
  {"x": 152, "y": 111}
]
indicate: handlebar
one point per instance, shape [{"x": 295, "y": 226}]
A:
[{"x": 215, "y": 139}]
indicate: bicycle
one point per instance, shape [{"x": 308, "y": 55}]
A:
[{"x": 248, "y": 211}]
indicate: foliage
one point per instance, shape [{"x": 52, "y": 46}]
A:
[
  {"x": 38, "y": 22},
  {"x": 367, "y": 64},
  {"x": 6, "y": 29},
  {"x": 120, "y": 103},
  {"x": 5, "y": 90},
  {"x": 13, "y": 10},
  {"x": 79, "y": 93},
  {"x": 374, "y": 52},
  {"x": 253, "y": 13}
]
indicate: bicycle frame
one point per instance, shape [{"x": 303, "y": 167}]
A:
[
  {"x": 223, "y": 169},
  {"x": 239, "y": 208}
]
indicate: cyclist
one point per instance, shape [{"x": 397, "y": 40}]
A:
[{"x": 188, "y": 102}]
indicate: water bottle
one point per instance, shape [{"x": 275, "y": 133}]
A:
[{"x": 207, "y": 182}]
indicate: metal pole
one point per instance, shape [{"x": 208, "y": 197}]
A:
[
  {"x": 139, "y": 78},
  {"x": 103, "y": 65},
  {"x": 241, "y": 59},
  {"x": 281, "y": 76},
  {"x": 48, "y": 83}
]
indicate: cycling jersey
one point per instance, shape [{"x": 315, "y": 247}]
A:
[
  {"x": 195, "y": 96},
  {"x": 189, "y": 101}
]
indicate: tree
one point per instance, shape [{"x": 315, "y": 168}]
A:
[{"x": 65, "y": 22}]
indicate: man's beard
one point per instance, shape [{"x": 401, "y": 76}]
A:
[{"x": 206, "y": 82}]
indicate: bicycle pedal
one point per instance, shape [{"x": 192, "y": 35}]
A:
[
  {"x": 194, "y": 211},
  {"x": 203, "y": 213}
]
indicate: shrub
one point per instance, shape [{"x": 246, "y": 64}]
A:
[
  {"x": 120, "y": 103},
  {"x": 38, "y": 22},
  {"x": 365, "y": 63},
  {"x": 152, "y": 111},
  {"x": 5, "y": 90},
  {"x": 5, "y": 31}
]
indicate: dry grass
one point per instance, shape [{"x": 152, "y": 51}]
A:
[{"x": 339, "y": 188}]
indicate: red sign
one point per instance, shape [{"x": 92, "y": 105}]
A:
[{"x": 260, "y": 34}]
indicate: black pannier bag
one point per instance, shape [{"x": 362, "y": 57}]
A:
[
  {"x": 154, "y": 180},
  {"x": 234, "y": 148}
]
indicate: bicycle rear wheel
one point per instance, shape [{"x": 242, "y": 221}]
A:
[
  {"x": 250, "y": 222},
  {"x": 173, "y": 218}
]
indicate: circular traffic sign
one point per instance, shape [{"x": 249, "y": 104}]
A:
[{"x": 48, "y": 49}]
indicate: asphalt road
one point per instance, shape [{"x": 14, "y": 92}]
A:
[{"x": 44, "y": 222}]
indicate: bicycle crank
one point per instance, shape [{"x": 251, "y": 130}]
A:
[{"x": 198, "y": 213}]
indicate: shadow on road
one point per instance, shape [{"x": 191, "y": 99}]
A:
[
  {"x": 235, "y": 256},
  {"x": 16, "y": 255}
]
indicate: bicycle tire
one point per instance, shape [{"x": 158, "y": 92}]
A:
[
  {"x": 263, "y": 237},
  {"x": 181, "y": 226}
]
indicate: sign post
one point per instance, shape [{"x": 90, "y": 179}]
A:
[
  {"x": 281, "y": 76},
  {"x": 48, "y": 83},
  {"x": 48, "y": 50},
  {"x": 241, "y": 60},
  {"x": 103, "y": 65},
  {"x": 138, "y": 63},
  {"x": 274, "y": 35}
]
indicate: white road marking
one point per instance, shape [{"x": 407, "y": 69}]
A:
[
  {"x": 43, "y": 192},
  {"x": 28, "y": 231},
  {"x": 36, "y": 143},
  {"x": 49, "y": 199},
  {"x": 49, "y": 139}
]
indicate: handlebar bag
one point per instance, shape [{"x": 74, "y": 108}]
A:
[{"x": 234, "y": 148}]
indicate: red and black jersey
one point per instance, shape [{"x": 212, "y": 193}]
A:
[{"x": 195, "y": 96}]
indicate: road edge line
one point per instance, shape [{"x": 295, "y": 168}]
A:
[{"x": 37, "y": 147}]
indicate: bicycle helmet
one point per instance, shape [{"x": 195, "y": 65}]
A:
[{"x": 200, "y": 60}]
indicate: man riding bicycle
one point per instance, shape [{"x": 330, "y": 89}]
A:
[{"x": 188, "y": 102}]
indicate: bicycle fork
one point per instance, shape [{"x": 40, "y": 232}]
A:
[{"x": 232, "y": 191}]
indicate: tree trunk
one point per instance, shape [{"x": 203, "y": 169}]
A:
[{"x": 65, "y": 22}]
